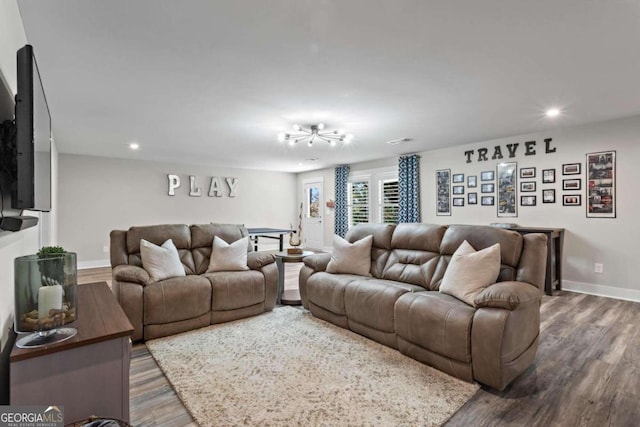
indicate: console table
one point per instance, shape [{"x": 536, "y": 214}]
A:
[
  {"x": 555, "y": 240},
  {"x": 87, "y": 374}
]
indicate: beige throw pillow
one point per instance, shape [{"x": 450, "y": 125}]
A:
[
  {"x": 351, "y": 258},
  {"x": 161, "y": 262},
  {"x": 469, "y": 272},
  {"x": 228, "y": 257}
]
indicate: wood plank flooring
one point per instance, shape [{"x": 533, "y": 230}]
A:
[{"x": 586, "y": 371}]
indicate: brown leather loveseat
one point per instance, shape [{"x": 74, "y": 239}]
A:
[
  {"x": 198, "y": 299},
  {"x": 399, "y": 305}
]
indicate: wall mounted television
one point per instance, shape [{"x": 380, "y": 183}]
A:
[{"x": 31, "y": 188}]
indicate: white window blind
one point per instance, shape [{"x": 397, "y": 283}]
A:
[
  {"x": 358, "y": 201},
  {"x": 388, "y": 200}
]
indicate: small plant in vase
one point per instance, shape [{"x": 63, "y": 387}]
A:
[{"x": 296, "y": 239}]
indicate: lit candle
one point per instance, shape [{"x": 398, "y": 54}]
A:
[{"x": 49, "y": 297}]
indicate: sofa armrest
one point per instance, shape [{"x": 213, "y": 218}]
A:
[
  {"x": 318, "y": 262},
  {"x": 131, "y": 273},
  {"x": 257, "y": 260},
  {"x": 508, "y": 295}
]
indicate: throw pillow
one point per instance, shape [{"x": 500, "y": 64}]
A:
[
  {"x": 351, "y": 258},
  {"x": 161, "y": 262},
  {"x": 470, "y": 271},
  {"x": 228, "y": 257}
]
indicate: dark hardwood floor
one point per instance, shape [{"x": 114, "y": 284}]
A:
[{"x": 586, "y": 371}]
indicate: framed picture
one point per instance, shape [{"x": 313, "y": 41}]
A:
[
  {"x": 571, "y": 199},
  {"x": 527, "y": 200},
  {"x": 548, "y": 176},
  {"x": 458, "y": 201},
  {"x": 443, "y": 192},
  {"x": 472, "y": 181},
  {"x": 486, "y": 200},
  {"x": 549, "y": 195},
  {"x": 458, "y": 189},
  {"x": 457, "y": 177},
  {"x": 487, "y": 188},
  {"x": 507, "y": 192},
  {"x": 472, "y": 198},
  {"x": 486, "y": 176},
  {"x": 571, "y": 184},
  {"x": 572, "y": 169},
  {"x": 527, "y": 186},
  {"x": 528, "y": 173},
  {"x": 601, "y": 184}
]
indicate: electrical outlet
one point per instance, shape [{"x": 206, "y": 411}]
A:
[
  {"x": 598, "y": 268},
  {"x": 105, "y": 249}
]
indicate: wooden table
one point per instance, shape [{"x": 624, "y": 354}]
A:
[
  {"x": 292, "y": 296},
  {"x": 88, "y": 374},
  {"x": 555, "y": 240}
]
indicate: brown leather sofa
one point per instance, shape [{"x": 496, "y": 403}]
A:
[
  {"x": 198, "y": 299},
  {"x": 399, "y": 305}
]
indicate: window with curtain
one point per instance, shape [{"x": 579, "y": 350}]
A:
[
  {"x": 388, "y": 200},
  {"x": 358, "y": 204}
]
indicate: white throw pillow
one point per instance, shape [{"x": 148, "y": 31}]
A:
[
  {"x": 469, "y": 272},
  {"x": 351, "y": 258},
  {"x": 228, "y": 257},
  {"x": 161, "y": 262}
]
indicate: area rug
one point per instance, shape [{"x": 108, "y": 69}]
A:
[{"x": 288, "y": 368}]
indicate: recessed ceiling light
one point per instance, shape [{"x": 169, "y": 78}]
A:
[
  {"x": 134, "y": 145},
  {"x": 553, "y": 112}
]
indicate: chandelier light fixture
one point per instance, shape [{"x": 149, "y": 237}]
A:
[{"x": 313, "y": 133}]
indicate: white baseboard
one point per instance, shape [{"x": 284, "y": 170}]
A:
[
  {"x": 96, "y": 263},
  {"x": 601, "y": 290}
]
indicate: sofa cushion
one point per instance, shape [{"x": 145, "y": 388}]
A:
[
  {"x": 351, "y": 258},
  {"x": 236, "y": 289},
  {"x": 176, "y": 299},
  {"x": 471, "y": 271},
  {"x": 370, "y": 302},
  {"x": 228, "y": 257},
  {"x": 157, "y": 234},
  {"x": 161, "y": 262},
  {"x": 382, "y": 234},
  {"x": 326, "y": 290},
  {"x": 202, "y": 241},
  {"x": 437, "y": 322}
]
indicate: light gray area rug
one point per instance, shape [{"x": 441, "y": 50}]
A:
[{"x": 287, "y": 368}]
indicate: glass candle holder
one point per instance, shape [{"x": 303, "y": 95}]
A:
[{"x": 45, "y": 298}]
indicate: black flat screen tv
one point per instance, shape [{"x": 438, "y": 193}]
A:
[{"x": 32, "y": 187}]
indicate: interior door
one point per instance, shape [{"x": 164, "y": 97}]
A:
[{"x": 313, "y": 201}]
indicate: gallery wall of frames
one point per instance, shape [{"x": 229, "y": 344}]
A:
[{"x": 516, "y": 185}]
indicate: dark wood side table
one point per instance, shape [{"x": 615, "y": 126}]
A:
[
  {"x": 291, "y": 296},
  {"x": 555, "y": 240},
  {"x": 87, "y": 374}
]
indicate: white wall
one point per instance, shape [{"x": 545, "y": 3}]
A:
[
  {"x": 12, "y": 245},
  {"x": 610, "y": 241},
  {"x": 97, "y": 195}
]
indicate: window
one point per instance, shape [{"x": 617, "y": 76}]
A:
[
  {"x": 358, "y": 201},
  {"x": 373, "y": 197}
]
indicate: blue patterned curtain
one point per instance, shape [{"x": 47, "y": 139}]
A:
[
  {"x": 341, "y": 225},
  {"x": 409, "y": 188}
]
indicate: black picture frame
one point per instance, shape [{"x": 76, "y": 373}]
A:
[
  {"x": 572, "y": 200},
  {"x": 458, "y": 189},
  {"x": 458, "y": 201},
  {"x": 472, "y": 198},
  {"x": 574, "y": 184},
  {"x": 549, "y": 195},
  {"x": 527, "y": 200},
  {"x": 472, "y": 181},
  {"x": 443, "y": 192},
  {"x": 487, "y": 188},
  {"x": 457, "y": 178},
  {"x": 526, "y": 173},
  {"x": 507, "y": 180},
  {"x": 601, "y": 185},
  {"x": 548, "y": 176},
  {"x": 487, "y": 176},
  {"x": 487, "y": 200},
  {"x": 572, "y": 169},
  {"x": 528, "y": 186}
]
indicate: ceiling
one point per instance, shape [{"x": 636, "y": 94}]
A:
[{"x": 214, "y": 82}]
